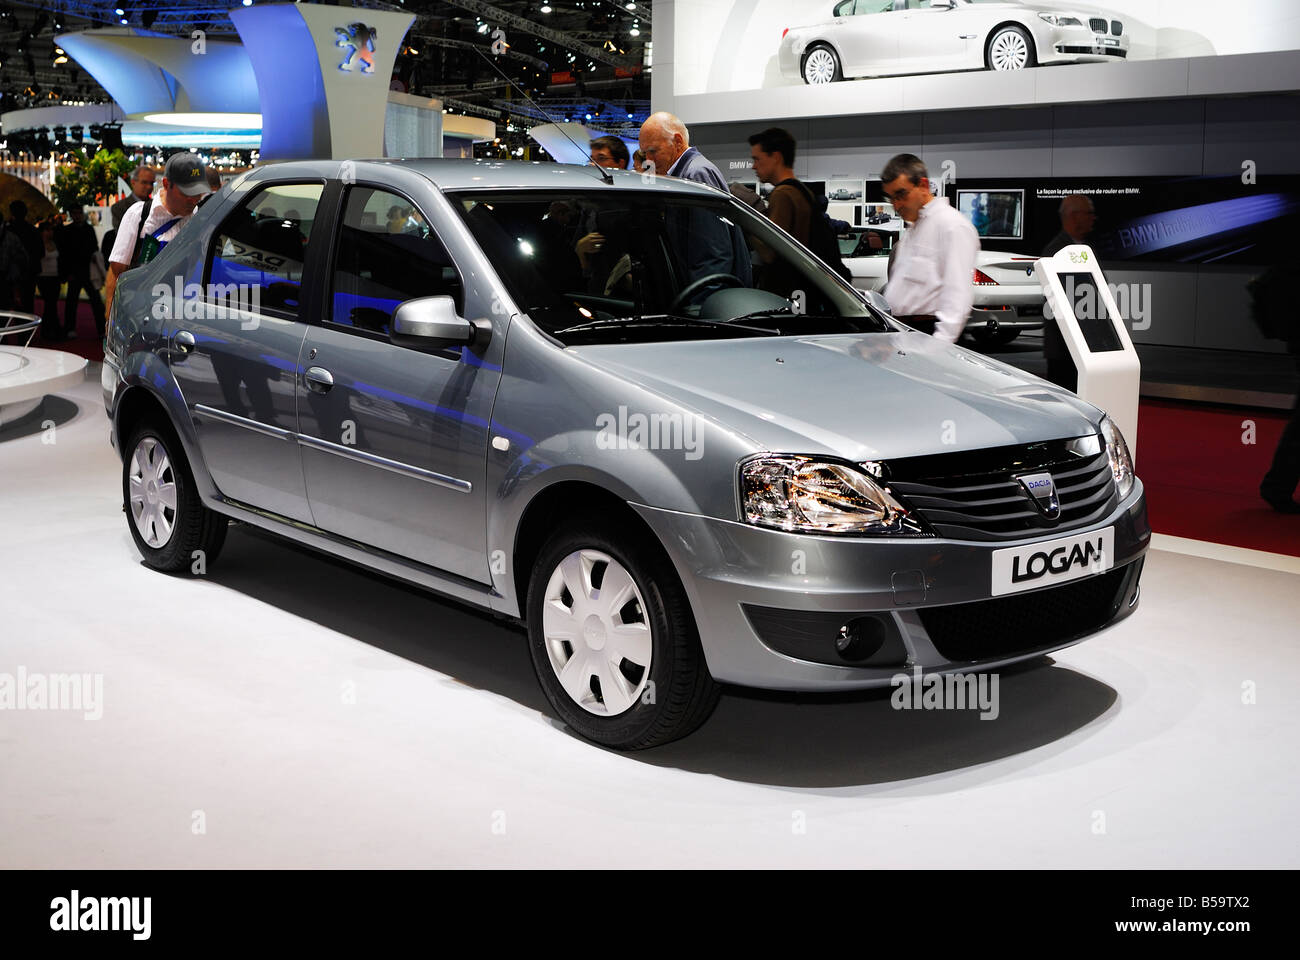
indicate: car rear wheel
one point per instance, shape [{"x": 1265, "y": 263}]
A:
[
  {"x": 1010, "y": 48},
  {"x": 169, "y": 524},
  {"x": 821, "y": 64},
  {"x": 613, "y": 641}
]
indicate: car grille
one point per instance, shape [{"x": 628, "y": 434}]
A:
[
  {"x": 1092, "y": 51},
  {"x": 976, "y": 496},
  {"x": 1117, "y": 28},
  {"x": 1043, "y": 619},
  {"x": 1098, "y": 25}
]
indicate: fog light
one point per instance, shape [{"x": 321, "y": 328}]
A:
[{"x": 860, "y": 639}]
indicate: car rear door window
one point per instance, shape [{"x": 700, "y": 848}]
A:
[{"x": 261, "y": 247}]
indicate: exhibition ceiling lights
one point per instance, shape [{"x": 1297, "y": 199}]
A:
[
  {"x": 579, "y": 59},
  {"x": 586, "y": 61}
]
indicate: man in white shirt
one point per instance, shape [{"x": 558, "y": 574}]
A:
[
  {"x": 931, "y": 274},
  {"x": 184, "y": 184}
]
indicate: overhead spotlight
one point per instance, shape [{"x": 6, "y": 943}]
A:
[
  {"x": 546, "y": 8},
  {"x": 119, "y": 11},
  {"x": 635, "y": 32},
  {"x": 482, "y": 28},
  {"x": 631, "y": 6}
]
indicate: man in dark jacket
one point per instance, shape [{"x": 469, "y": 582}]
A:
[
  {"x": 35, "y": 249},
  {"x": 77, "y": 245},
  {"x": 1077, "y": 220},
  {"x": 1273, "y": 310},
  {"x": 142, "y": 183},
  {"x": 704, "y": 244}
]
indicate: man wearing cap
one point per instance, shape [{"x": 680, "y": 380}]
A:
[{"x": 148, "y": 227}]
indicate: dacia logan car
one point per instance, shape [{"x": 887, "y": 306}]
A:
[{"x": 625, "y": 410}]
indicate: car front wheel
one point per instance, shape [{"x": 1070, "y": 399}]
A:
[
  {"x": 1010, "y": 48},
  {"x": 821, "y": 65},
  {"x": 613, "y": 641},
  {"x": 169, "y": 524}
]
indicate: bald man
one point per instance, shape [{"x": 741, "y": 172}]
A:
[
  {"x": 666, "y": 143},
  {"x": 1078, "y": 217},
  {"x": 704, "y": 243}
]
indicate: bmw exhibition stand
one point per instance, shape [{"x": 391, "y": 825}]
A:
[{"x": 1084, "y": 309}]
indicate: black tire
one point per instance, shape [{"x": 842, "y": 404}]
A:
[
  {"x": 684, "y": 693},
  {"x": 193, "y": 526},
  {"x": 836, "y": 75},
  {"x": 1031, "y": 59}
]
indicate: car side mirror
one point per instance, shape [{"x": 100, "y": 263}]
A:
[{"x": 432, "y": 323}]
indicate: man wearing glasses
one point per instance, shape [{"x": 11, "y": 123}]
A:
[{"x": 933, "y": 263}]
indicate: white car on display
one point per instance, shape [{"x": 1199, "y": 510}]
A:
[
  {"x": 1008, "y": 297},
  {"x": 844, "y": 193},
  {"x": 873, "y": 38}
]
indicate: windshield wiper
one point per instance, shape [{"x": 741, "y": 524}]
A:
[
  {"x": 781, "y": 312},
  {"x": 658, "y": 319}
]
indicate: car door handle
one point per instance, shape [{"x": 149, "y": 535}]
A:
[
  {"x": 183, "y": 342},
  {"x": 319, "y": 380}
]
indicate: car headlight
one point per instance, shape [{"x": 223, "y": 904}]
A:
[
  {"x": 1060, "y": 20},
  {"x": 816, "y": 496},
  {"x": 1121, "y": 462}
]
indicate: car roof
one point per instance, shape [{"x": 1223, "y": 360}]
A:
[{"x": 450, "y": 174}]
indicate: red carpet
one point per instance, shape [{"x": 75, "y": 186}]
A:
[
  {"x": 1202, "y": 481},
  {"x": 88, "y": 343}
]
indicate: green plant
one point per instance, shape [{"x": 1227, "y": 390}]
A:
[{"x": 89, "y": 180}]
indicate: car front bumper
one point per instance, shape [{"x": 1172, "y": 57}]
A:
[
  {"x": 770, "y": 605},
  {"x": 1080, "y": 45}
]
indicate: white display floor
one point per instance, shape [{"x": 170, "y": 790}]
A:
[{"x": 306, "y": 714}]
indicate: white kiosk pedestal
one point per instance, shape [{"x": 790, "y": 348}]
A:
[{"x": 1081, "y": 303}]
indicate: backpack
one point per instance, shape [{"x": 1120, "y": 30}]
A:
[{"x": 821, "y": 238}]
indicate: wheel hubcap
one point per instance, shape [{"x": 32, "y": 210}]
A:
[
  {"x": 1010, "y": 52},
  {"x": 596, "y": 634},
  {"x": 820, "y": 67},
  {"x": 152, "y": 493}
]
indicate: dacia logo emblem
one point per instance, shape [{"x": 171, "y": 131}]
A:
[{"x": 1041, "y": 489}]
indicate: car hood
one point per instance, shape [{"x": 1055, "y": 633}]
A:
[{"x": 858, "y": 396}]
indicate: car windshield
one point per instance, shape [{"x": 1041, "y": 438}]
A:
[{"x": 615, "y": 265}]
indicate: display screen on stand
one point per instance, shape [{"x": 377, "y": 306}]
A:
[{"x": 1090, "y": 311}]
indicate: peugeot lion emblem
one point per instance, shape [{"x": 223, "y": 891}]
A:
[{"x": 1042, "y": 490}]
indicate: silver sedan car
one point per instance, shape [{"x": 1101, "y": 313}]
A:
[
  {"x": 877, "y": 38},
  {"x": 634, "y": 415}
]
